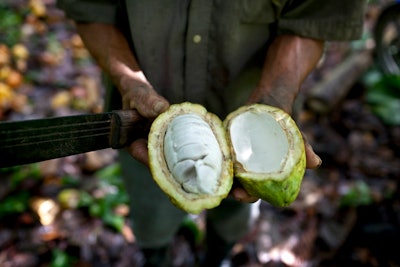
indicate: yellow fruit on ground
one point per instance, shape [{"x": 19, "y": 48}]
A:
[
  {"x": 5, "y": 57},
  {"x": 20, "y": 51},
  {"x": 14, "y": 79},
  {"x": 6, "y": 95},
  {"x": 61, "y": 100}
]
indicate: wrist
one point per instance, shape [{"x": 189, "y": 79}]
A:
[
  {"x": 278, "y": 96},
  {"x": 125, "y": 78},
  {"x": 289, "y": 60}
]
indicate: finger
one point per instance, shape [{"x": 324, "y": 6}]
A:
[
  {"x": 241, "y": 195},
  {"x": 313, "y": 161},
  {"x": 146, "y": 101},
  {"x": 138, "y": 150},
  {"x": 153, "y": 106}
]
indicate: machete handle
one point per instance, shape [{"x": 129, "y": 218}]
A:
[{"x": 126, "y": 127}]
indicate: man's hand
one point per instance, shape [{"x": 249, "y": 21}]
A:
[
  {"x": 144, "y": 99},
  {"x": 289, "y": 60},
  {"x": 149, "y": 104},
  {"x": 111, "y": 50}
]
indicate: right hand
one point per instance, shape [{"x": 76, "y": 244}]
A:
[
  {"x": 111, "y": 50},
  {"x": 141, "y": 96}
]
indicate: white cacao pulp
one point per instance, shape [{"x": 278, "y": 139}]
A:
[
  {"x": 260, "y": 144},
  {"x": 267, "y": 151},
  {"x": 193, "y": 154}
]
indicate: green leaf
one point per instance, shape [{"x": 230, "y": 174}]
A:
[
  {"x": 111, "y": 176},
  {"x": 61, "y": 259},
  {"x": 113, "y": 220},
  {"x": 14, "y": 204},
  {"x": 22, "y": 173},
  {"x": 189, "y": 224},
  {"x": 116, "y": 199},
  {"x": 110, "y": 172},
  {"x": 359, "y": 194},
  {"x": 103, "y": 208},
  {"x": 85, "y": 199},
  {"x": 10, "y": 25},
  {"x": 69, "y": 180},
  {"x": 111, "y": 183},
  {"x": 383, "y": 96},
  {"x": 96, "y": 210}
]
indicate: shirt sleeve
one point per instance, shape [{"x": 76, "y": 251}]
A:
[
  {"x": 338, "y": 20},
  {"x": 103, "y": 11}
]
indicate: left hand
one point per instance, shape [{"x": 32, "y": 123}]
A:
[
  {"x": 313, "y": 161},
  {"x": 289, "y": 60}
]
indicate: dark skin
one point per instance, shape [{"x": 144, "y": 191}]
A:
[{"x": 289, "y": 60}]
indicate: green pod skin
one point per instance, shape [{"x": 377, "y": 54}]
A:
[
  {"x": 277, "y": 193},
  {"x": 279, "y": 187}
]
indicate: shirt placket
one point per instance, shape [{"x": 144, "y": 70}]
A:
[{"x": 197, "y": 45}]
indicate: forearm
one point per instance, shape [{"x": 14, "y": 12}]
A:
[
  {"x": 111, "y": 51},
  {"x": 289, "y": 60}
]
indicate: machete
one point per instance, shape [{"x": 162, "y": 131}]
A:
[{"x": 30, "y": 141}]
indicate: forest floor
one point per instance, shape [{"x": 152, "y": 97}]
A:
[{"x": 73, "y": 211}]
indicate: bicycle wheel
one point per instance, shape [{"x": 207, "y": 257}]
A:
[{"x": 387, "y": 38}]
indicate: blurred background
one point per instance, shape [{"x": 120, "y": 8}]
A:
[{"x": 73, "y": 211}]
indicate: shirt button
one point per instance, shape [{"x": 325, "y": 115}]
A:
[{"x": 197, "y": 38}]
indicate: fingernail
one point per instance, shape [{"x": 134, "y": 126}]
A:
[
  {"x": 159, "y": 107},
  {"x": 319, "y": 160}
]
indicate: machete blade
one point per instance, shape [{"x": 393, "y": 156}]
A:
[{"x": 29, "y": 141}]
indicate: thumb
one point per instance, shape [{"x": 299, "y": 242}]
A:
[
  {"x": 313, "y": 161},
  {"x": 138, "y": 150}
]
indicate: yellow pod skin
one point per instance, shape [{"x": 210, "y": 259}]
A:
[{"x": 197, "y": 150}]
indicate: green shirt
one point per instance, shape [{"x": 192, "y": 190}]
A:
[{"x": 211, "y": 51}]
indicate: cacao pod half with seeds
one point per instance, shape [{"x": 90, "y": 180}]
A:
[
  {"x": 189, "y": 157},
  {"x": 194, "y": 156}
]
